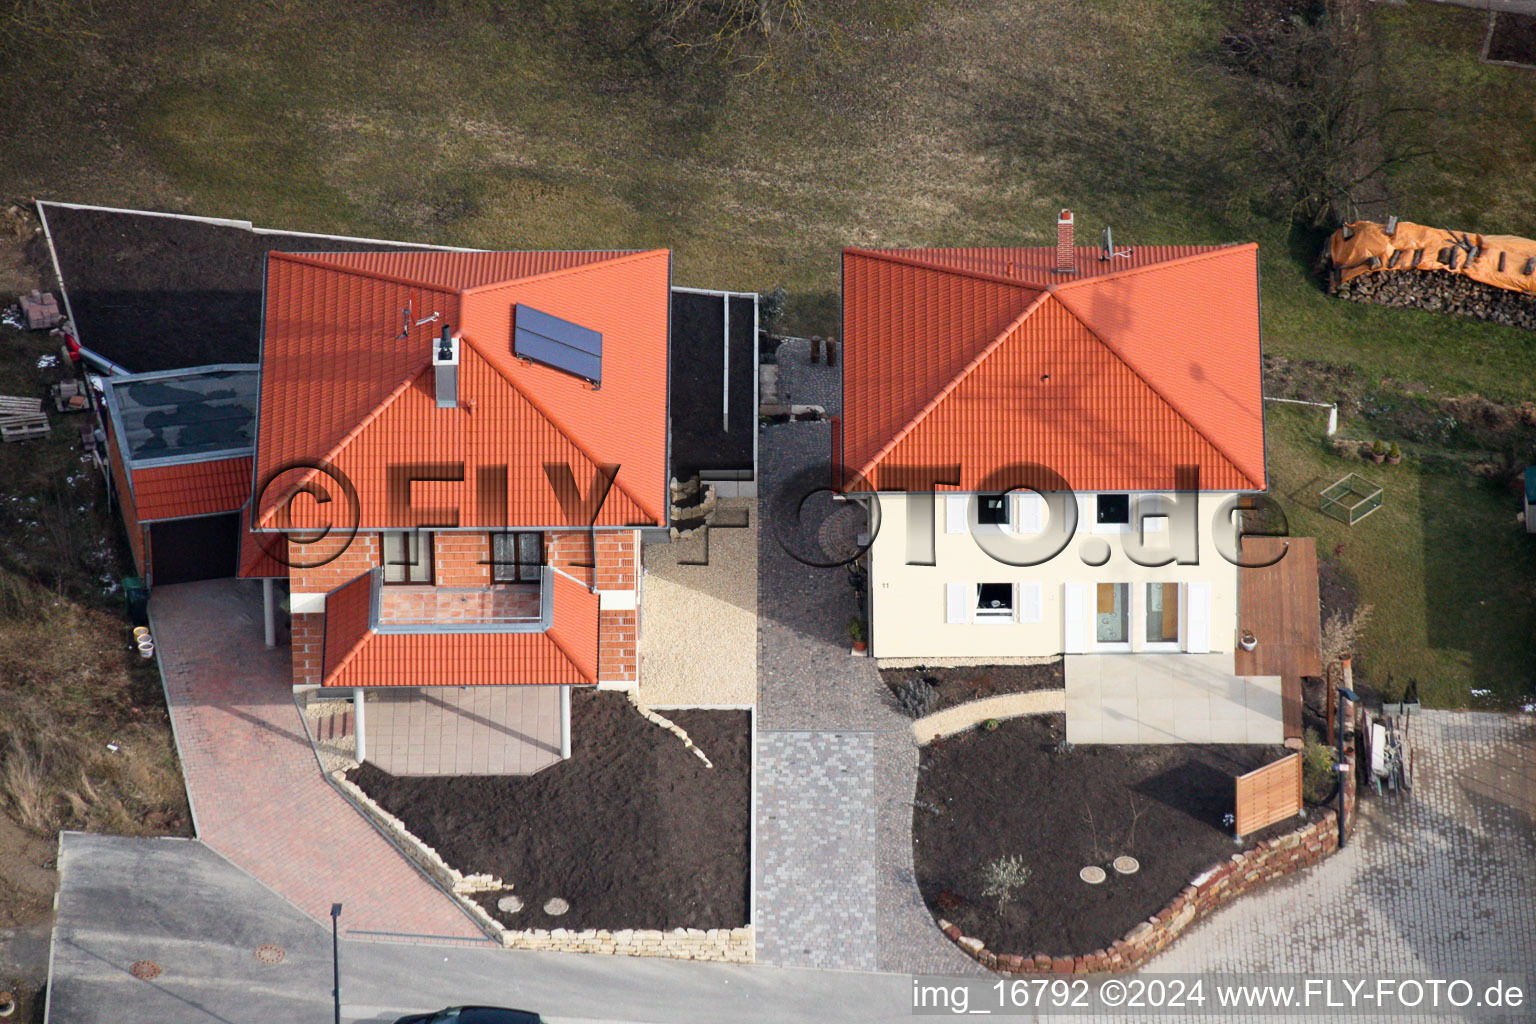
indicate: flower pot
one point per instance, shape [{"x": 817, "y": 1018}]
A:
[
  {"x": 1378, "y": 459},
  {"x": 1248, "y": 641},
  {"x": 1394, "y": 460},
  {"x": 860, "y": 646}
]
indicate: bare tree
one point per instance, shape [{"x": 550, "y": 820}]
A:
[
  {"x": 753, "y": 35},
  {"x": 1323, "y": 122}
]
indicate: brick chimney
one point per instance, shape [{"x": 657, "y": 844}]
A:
[{"x": 1064, "y": 255}]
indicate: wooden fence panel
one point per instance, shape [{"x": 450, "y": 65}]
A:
[{"x": 1268, "y": 794}]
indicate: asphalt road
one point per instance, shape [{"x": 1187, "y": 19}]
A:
[{"x": 179, "y": 905}]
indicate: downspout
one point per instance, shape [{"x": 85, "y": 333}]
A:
[
  {"x": 565, "y": 723},
  {"x": 357, "y": 717}
]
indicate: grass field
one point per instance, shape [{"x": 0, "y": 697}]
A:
[
  {"x": 85, "y": 741},
  {"x": 510, "y": 125},
  {"x": 1449, "y": 573}
]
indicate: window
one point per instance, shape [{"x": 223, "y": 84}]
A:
[
  {"x": 407, "y": 556},
  {"x": 994, "y": 601},
  {"x": 1162, "y": 613},
  {"x": 1114, "y": 509},
  {"x": 517, "y": 557},
  {"x": 992, "y": 510},
  {"x": 1112, "y": 618}
]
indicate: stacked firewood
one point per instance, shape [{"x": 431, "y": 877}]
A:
[{"x": 1447, "y": 293}]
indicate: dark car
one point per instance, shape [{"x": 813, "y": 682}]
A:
[{"x": 473, "y": 1015}]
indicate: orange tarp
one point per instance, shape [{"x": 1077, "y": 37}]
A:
[{"x": 1503, "y": 261}]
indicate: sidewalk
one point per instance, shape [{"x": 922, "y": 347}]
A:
[{"x": 255, "y": 787}]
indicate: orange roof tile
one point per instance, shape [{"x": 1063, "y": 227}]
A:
[
  {"x": 1112, "y": 377},
  {"x": 262, "y": 555},
  {"x": 191, "y": 488},
  {"x": 565, "y": 655},
  {"x": 340, "y": 385}
]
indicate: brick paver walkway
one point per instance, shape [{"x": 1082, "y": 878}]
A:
[
  {"x": 804, "y": 383},
  {"x": 257, "y": 794},
  {"x": 1434, "y": 885},
  {"x": 814, "y": 696}
]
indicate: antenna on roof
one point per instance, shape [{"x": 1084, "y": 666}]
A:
[
  {"x": 408, "y": 320},
  {"x": 1107, "y": 251}
]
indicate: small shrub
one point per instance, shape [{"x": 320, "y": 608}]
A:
[
  {"x": 1378, "y": 448},
  {"x": 1317, "y": 772},
  {"x": 1002, "y": 878},
  {"x": 1393, "y": 451},
  {"x": 1064, "y": 747},
  {"x": 856, "y": 630},
  {"x": 770, "y": 307},
  {"x": 1342, "y": 632},
  {"x": 991, "y": 724},
  {"x": 916, "y": 696}
]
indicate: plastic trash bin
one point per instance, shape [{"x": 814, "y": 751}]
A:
[{"x": 136, "y": 599}]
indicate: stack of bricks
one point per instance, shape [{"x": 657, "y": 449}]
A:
[
  {"x": 41, "y": 310},
  {"x": 1211, "y": 889}
]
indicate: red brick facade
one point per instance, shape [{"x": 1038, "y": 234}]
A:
[{"x": 612, "y": 557}]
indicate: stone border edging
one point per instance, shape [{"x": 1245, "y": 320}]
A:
[
  {"x": 972, "y": 713},
  {"x": 1206, "y": 893},
  {"x": 670, "y": 726}
]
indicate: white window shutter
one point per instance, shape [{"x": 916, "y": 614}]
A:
[
  {"x": 955, "y": 510},
  {"x": 1029, "y": 508},
  {"x": 1197, "y": 623},
  {"x": 1087, "y": 508},
  {"x": 1029, "y": 601},
  {"x": 957, "y": 602},
  {"x": 1074, "y": 616}
]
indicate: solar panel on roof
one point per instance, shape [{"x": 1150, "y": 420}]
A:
[{"x": 547, "y": 339}]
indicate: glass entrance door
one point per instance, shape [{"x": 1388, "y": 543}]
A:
[{"x": 1113, "y": 618}]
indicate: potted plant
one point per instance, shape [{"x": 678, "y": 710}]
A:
[
  {"x": 1394, "y": 454},
  {"x": 856, "y": 634},
  {"x": 1378, "y": 452},
  {"x": 1248, "y": 641}
]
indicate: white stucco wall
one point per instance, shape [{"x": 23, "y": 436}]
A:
[{"x": 908, "y": 603}]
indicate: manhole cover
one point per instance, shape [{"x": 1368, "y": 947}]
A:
[
  {"x": 270, "y": 954},
  {"x": 1092, "y": 874},
  {"x": 510, "y": 904},
  {"x": 1127, "y": 865},
  {"x": 556, "y": 907},
  {"x": 145, "y": 970}
]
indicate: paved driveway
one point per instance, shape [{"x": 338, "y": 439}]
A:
[{"x": 255, "y": 787}]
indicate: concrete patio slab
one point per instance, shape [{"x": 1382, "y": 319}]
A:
[
  {"x": 463, "y": 730},
  {"x": 1169, "y": 698}
]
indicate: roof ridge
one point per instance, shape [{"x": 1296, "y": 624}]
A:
[
  {"x": 310, "y": 260},
  {"x": 624, "y": 256},
  {"x": 1210, "y": 252},
  {"x": 944, "y": 392},
  {"x": 351, "y": 435},
  {"x": 563, "y": 432},
  {"x": 901, "y": 256},
  {"x": 1148, "y": 385}
]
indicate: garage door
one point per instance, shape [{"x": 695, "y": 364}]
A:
[{"x": 187, "y": 550}]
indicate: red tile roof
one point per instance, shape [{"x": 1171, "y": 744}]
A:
[
  {"x": 1112, "y": 377},
  {"x": 191, "y": 488},
  {"x": 565, "y": 655},
  {"x": 262, "y": 555},
  {"x": 339, "y": 385}
]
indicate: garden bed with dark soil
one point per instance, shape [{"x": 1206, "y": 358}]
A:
[
  {"x": 1015, "y": 792},
  {"x": 962, "y": 685},
  {"x": 161, "y": 293},
  {"x": 633, "y": 831},
  {"x": 1512, "y": 38}
]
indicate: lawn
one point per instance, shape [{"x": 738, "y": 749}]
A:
[{"x": 1449, "y": 573}]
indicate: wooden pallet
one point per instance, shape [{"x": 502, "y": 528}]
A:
[
  {"x": 23, "y": 428},
  {"x": 13, "y": 405}
]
